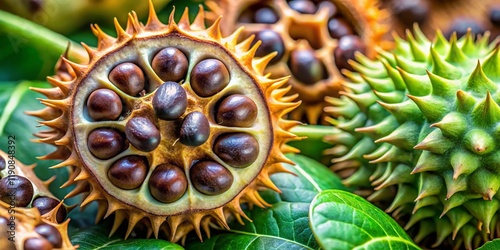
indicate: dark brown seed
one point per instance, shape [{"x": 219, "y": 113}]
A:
[
  {"x": 128, "y": 77},
  {"x": 495, "y": 15},
  {"x": 50, "y": 233},
  {"x": 271, "y": 41},
  {"x": 303, "y": 6},
  {"x": 410, "y": 11},
  {"x": 37, "y": 244},
  {"x": 35, "y": 5},
  {"x": 209, "y": 77},
  {"x": 332, "y": 9},
  {"x": 238, "y": 150},
  {"x": 339, "y": 27},
  {"x": 170, "y": 101},
  {"x": 237, "y": 110},
  {"x": 265, "y": 15},
  {"x": 142, "y": 134},
  {"x": 128, "y": 172},
  {"x": 305, "y": 67},
  {"x": 210, "y": 178},
  {"x": 170, "y": 64},
  {"x": 195, "y": 129},
  {"x": 2, "y": 163},
  {"x": 346, "y": 49},
  {"x": 46, "y": 204},
  {"x": 104, "y": 104},
  {"x": 167, "y": 183},
  {"x": 16, "y": 190},
  {"x": 105, "y": 143},
  {"x": 461, "y": 25}
]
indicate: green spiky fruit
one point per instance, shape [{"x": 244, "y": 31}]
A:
[{"x": 419, "y": 129}]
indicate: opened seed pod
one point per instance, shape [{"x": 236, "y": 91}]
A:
[
  {"x": 20, "y": 187},
  {"x": 25, "y": 229},
  {"x": 314, "y": 41},
  {"x": 169, "y": 125},
  {"x": 446, "y": 15},
  {"x": 30, "y": 216}
]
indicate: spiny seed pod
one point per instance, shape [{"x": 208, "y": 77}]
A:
[
  {"x": 423, "y": 120},
  {"x": 63, "y": 17},
  {"x": 201, "y": 97},
  {"x": 314, "y": 41},
  {"x": 447, "y": 15},
  {"x": 25, "y": 229},
  {"x": 20, "y": 187}
]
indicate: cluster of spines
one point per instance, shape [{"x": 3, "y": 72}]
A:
[
  {"x": 59, "y": 102},
  {"x": 423, "y": 119}
]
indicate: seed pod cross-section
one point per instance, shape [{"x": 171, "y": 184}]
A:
[
  {"x": 31, "y": 217},
  {"x": 422, "y": 120},
  {"x": 169, "y": 125},
  {"x": 314, "y": 39}
]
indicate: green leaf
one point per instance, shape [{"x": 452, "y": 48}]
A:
[
  {"x": 96, "y": 237},
  {"x": 490, "y": 245},
  {"x": 15, "y": 99},
  {"x": 285, "y": 225},
  {"x": 314, "y": 145},
  {"x": 31, "y": 55},
  {"x": 342, "y": 220},
  {"x": 311, "y": 177}
]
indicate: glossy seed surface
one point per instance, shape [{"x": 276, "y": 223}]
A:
[
  {"x": 237, "y": 110},
  {"x": 104, "y": 104},
  {"x": 170, "y": 64},
  {"x": 303, "y": 6},
  {"x": 195, "y": 129},
  {"x": 209, "y": 77},
  {"x": 271, "y": 42},
  {"x": 167, "y": 183},
  {"x": 142, "y": 134},
  {"x": 305, "y": 67},
  {"x": 339, "y": 27},
  {"x": 170, "y": 101},
  {"x": 332, "y": 8},
  {"x": 128, "y": 77},
  {"x": 495, "y": 15},
  {"x": 128, "y": 172},
  {"x": 50, "y": 233},
  {"x": 105, "y": 143},
  {"x": 16, "y": 190},
  {"x": 34, "y": 243},
  {"x": 238, "y": 150},
  {"x": 46, "y": 204},
  {"x": 346, "y": 49},
  {"x": 410, "y": 11},
  {"x": 210, "y": 178},
  {"x": 265, "y": 15}
]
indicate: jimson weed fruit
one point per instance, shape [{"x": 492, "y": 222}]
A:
[{"x": 171, "y": 126}]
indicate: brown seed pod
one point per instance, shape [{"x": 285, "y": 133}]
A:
[
  {"x": 446, "y": 15},
  {"x": 20, "y": 187},
  {"x": 305, "y": 34},
  {"x": 40, "y": 221},
  {"x": 170, "y": 143}
]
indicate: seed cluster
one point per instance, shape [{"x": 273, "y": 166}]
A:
[
  {"x": 313, "y": 40},
  {"x": 24, "y": 190},
  {"x": 170, "y": 126}
]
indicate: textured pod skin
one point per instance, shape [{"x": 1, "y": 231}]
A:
[
  {"x": 310, "y": 32},
  {"x": 69, "y": 125},
  {"x": 27, "y": 218},
  {"x": 422, "y": 120},
  {"x": 62, "y": 17}
]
